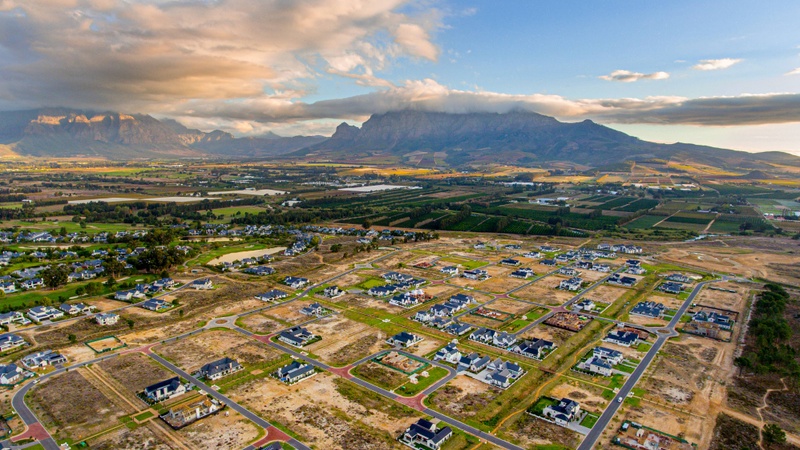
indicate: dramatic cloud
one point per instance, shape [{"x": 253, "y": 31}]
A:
[
  {"x": 627, "y": 76},
  {"x": 715, "y": 64},
  {"x": 428, "y": 95},
  {"x": 152, "y": 54}
]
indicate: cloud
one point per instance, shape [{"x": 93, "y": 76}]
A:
[
  {"x": 626, "y": 76},
  {"x": 429, "y": 95},
  {"x": 793, "y": 72},
  {"x": 716, "y": 64},
  {"x": 152, "y": 54}
]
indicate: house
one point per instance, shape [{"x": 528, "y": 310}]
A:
[
  {"x": 449, "y": 354},
  {"x": 272, "y": 295},
  {"x": 32, "y": 283},
  {"x": 623, "y": 338},
  {"x": 584, "y": 305},
  {"x": 42, "y": 313},
  {"x": 679, "y": 277},
  {"x": 457, "y": 328},
  {"x": 723, "y": 321},
  {"x": 77, "y": 308},
  {"x": 564, "y": 412},
  {"x": 523, "y": 273},
  {"x": 259, "y": 270},
  {"x": 404, "y": 339},
  {"x": 614, "y": 357},
  {"x": 9, "y": 341},
  {"x": 474, "y": 362},
  {"x": 294, "y": 372},
  {"x": 382, "y": 291},
  {"x": 499, "y": 379},
  {"x": 295, "y": 282},
  {"x": 671, "y": 287},
  {"x": 648, "y": 309},
  {"x": 510, "y": 262},
  {"x": 568, "y": 271},
  {"x": 621, "y": 280},
  {"x": 536, "y": 348},
  {"x": 548, "y": 262},
  {"x": 636, "y": 270},
  {"x": 8, "y": 287},
  {"x": 106, "y": 319},
  {"x": 296, "y": 336},
  {"x": 314, "y": 309},
  {"x": 42, "y": 359},
  {"x": 202, "y": 284},
  {"x": 10, "y": 374},
  {"x": 484, "y": 335},
  {"x": 220, "y": 368},
  {"x": 533, "y": 255},
  {"x": 186, "y": 413},
  {"x": 449, "y": 270},
  {"x": 155, "y": 304},
  {"x": 475, "y": 274},
  {"x": 598, "y": 366},
  {"x": 397, "y": 276},
  {"x": 503, "y": 339},
  {"x": 164, "y": 390},
  {"x": 424, "y": 433},
  {"x": 573, "y": 284},
  {"x": 13, "y": 317},
  {"x": 332, "y": 292},
  {"x": 129, "y": 295}
]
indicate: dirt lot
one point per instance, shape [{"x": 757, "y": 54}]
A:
[
  {"x": 105, "y": 304},
  {"x": 260, "y": 323},
  {"x": 326, "y": 413},
  {"x": 135, "y": 371},
  {"x": 670, "y": 301},
  {"x": 142, "y": 438},
  {"x": 428, "y": 345},
  {"x": 647, "y": 321},
  {"x": 590, "y": 397},
  {"x": 724, "y": 300},
  {"x": 192, "y": 352},
  {"x": 380, "y": 375},
  {"x": 105, "y": 344},
  {"x": 606, "y": 294},
  {"x": 440, "y": 291},
  {"x": 463, "y": 397},
  {"x": 392, "y": 262},
  {"x": 665, "y": 420},
  {"x": 71, "y": 407},
  {"x": 552, "y": 334},
  {"x": 544, "y": 291},
  {"x": 349, "y": 280},
  {"x": 289, "y": 313},
  {"x": 532, "y": 432},
  {"x": 511, "y": 306},
  {"x": 339, "y": 333},
  {"x": 481, "y": 321},
  {"x": 592, "y": 275},
  {"x": 767, "y": 259},
  {"x": 364, "y": 301},
  {"x": 501, "y": 284},
  {"x": 226, "y": 429}
]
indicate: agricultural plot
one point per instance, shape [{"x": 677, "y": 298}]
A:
[{"x": 646, "y": 221}]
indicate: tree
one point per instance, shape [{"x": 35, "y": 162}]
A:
[
  {"x": 367, "y": 224},
  {"x": 113, "y": 266},
  {"x": 72, "y": 338},
  {"x": 180, "y": 313},
  {"x": 773, "y": 434},
  {"x": 335, "y": 248},
  {"x": 111, "y": 282},
  {"x": 55, "y": 276},
  {"x": 93, "y": 288},
  {"x": 130, "y": 323}
]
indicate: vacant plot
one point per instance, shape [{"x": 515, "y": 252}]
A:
[
  {"x": 327, "y": 412},
  {"x": 192, "y": 352},
  {"x": 590, "y": 397},
  {"x": 105, "y": 344},
  {"x": 393, "y": 261},
  {"x": 512, "y": 306},
  {"x": 501, "y": 284},
  {"x": 227, "y": 429},
  {"x": 380, "y": 375},
  {"x": 544, "y": 292},
  {"x": 734, "y": 301},
  {"x": 440, "y": 291},
  {"x": 71, "y": 407},
  {"x": 260, "y": 323},
  {"x": 135, "y": 371},
  {"x": 536, "y": 433},
  {"x": 366, "y": 302},
  {"x": 606, "y": 294},
  {"x": 338, "y": 333},
  {"x": 289, "y": 313},
  {"x": 552, "y": 334},
  {"x": 356, "y": 349},
  {"x": 463, "y": 397},
  {"x": 126, "y": 439}
]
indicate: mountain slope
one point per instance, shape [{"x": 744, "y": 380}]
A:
[{"x": 516, "y": 137}]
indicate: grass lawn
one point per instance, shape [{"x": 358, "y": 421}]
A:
[
  {"x": 216, "y": 253},
  {"x": 468, "y": 264},
  {"x": 370, "y": 282},
  {"x": 143, "y": 416},
  {"x": 55, "y": 227},
  {"x": 589, "y": 420},
  {"x": 521, "y": 323},
  {"x": 543, "y": 402},
  {"x": 643, "y": 347},
  {"x": 21, "y": 298},
  {"x": 434, "y": 374}
]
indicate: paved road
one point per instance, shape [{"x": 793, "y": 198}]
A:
[
  {"x": 591, "y": 439},
  {"x": 222, "y": 398}
]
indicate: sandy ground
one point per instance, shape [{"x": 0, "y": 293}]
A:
[
  {"x": 77, "y": 353},
  {"x": 192, "y": 352},
  {"x": 226, "y": 429},
  {"x": 337, "y": 332},
  {"x": 259, "y": 323},
  {"x": 363, "y": 301},
  {"x": 105, "y": 344},
  {"x": 391, "y": 263},
  {"x": 463, "y": 396},
  {"x": 324, "y": 418},
  {"x": 104, "y": 304},
  {"x": 670, "y": 301},
  {"x": 588, "y": 396},
  {"x": 511, "y": 306},
  {"x": 135, "y": 371},
  {"x": 238, "y": 256},
  {"x": 501, "y": 284},
  {"x": 290, "y": 312},
  {"x": 734, "y": 259},
  {"x": 606, "y": 294},
  {"x": 548, "y": 333},
  {"x": 544, "y": 292},
  {"x": 428, "y": 345},
  {"x": 127, "y": 439},
  {"x": 725, "y": 300}
]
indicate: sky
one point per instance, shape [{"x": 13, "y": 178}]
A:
[{"x": 717, "y": 72}]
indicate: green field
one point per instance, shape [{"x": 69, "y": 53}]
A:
[
  {"x": 646, "y": 221},
  {"x": 434, "y": 374}
]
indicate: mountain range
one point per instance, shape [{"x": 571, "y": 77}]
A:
[{"x": 410, "y": 137}]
